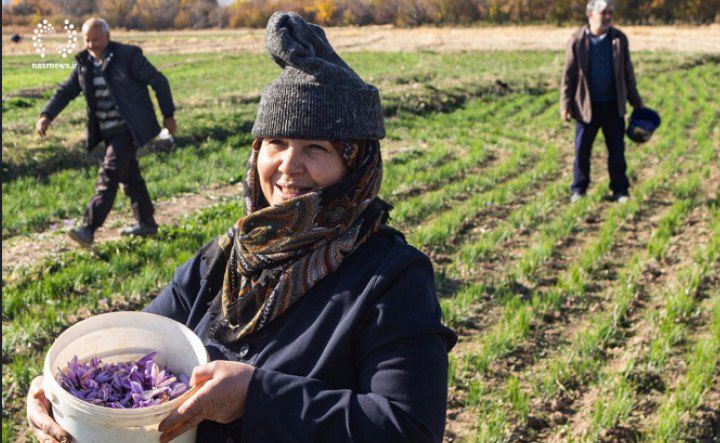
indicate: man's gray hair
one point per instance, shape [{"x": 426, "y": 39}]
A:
[
  {"x": 96, "y": 22},
  {"x": 598, "y": 5}
]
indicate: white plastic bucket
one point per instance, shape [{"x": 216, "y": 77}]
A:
[{"x": 120, "y": 337}]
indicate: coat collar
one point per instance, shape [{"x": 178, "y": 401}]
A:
[
  {"x": 583, "y": 37},
  {"x": 583, "y": 53},
  {"x": 585, "y": 31},
  {"x": 83, "y": 57}
]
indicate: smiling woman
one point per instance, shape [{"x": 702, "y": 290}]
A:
[
  {"x": 289, "y": 168},
  {"x": 322, "y": 323}
]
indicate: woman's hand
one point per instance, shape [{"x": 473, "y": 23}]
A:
[
  {"x": 221, "y": 398},
  {"x": 41, "y": 422}
]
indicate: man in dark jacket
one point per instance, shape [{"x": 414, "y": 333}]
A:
[
  {"x": 114, "y": 78},
  {"x": 597, "y": 80}
]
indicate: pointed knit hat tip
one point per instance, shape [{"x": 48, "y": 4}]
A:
[{"x": 317, "y": 96}]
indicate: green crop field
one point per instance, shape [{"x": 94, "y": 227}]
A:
[{"x": 586, "y": 322}]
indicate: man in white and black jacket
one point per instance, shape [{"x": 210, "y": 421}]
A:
[{"x": 114, "y": 78}]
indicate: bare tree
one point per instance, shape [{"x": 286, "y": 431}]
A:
[
  {"x": 155, "y": 14},
  {"x": 219, "y": 17},
  {"x": 195, "y": 13},
  {"x": 358, "y": 12},
  {"x": 75, "y": 8},
  {"x": 118, "y": 13}
]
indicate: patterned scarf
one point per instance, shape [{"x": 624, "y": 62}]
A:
[{"x": 276, "y": 254}]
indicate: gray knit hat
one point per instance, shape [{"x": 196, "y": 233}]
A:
[{"x": 317, "y": 96}]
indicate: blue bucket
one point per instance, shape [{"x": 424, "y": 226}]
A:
[{"x": 643, "y": 122}]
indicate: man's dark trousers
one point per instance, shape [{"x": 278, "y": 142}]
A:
[
  {"x": 605, "y": 116},
  {"x": 120, "y": 166}
]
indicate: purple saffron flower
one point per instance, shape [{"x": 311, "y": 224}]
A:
[{"x": 122, "y": 385}]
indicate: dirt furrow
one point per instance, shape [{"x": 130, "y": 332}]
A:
[
  {"x": 704, "y": 427},
  {"x": 24, "y": 251},
  {"x": 461, "y": 418},
  {"x": 549, "y": 335},
  {"x": 558, "y": 326},
  {"x": 636, "y": 333},
  {"x": 648, "y": 397},
  {"x": 415, "y": 189},
  {"x": 554, "y": 325}
]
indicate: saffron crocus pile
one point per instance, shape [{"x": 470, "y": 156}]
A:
[{"x": 122, "y": 385}]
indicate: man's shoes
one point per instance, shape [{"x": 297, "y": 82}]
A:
[
  {"x": 621, "y": 198},
  {"x": 140, "y": 229},
  {"x": 576, "y": 196},
  {"x": 83, "y": 236}
]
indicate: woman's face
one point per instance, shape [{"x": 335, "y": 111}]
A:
[{"x": 288, "y": 168}]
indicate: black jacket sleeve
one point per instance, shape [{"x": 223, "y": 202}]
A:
[
  {"x": 402, "y": 378},
  {"x": 64, "y": 94},
  {"x": 175, "y": 300},
  {"x": 143, "y": 71}
]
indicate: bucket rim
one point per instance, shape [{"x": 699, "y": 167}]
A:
[{"x": 646, "y": 114}]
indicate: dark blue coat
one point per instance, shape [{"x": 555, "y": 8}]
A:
[
  {"x": 361, "y": 357},
  {"x": 127, "y": 73}
]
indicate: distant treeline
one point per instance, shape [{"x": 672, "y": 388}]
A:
[{"x": 181, "y": 14}]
